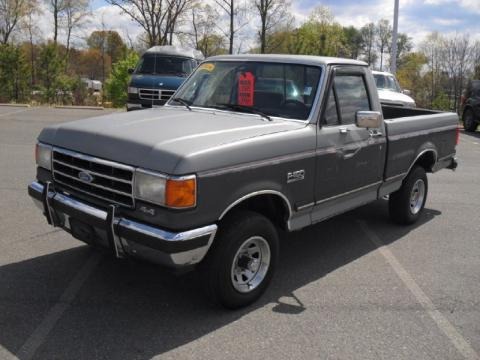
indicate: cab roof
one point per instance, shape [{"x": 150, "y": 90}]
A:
[{"x": 294, "y": 59}]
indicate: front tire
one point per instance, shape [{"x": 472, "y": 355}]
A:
[
  {"x": 240, "y": 265},
  {"x": 406, "y": 205},
  {"x": 469, "y": 122}
]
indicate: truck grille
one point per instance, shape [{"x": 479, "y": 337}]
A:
[
  {"x": 105, "y": 180},
  {"x": 155, "y": 94}
]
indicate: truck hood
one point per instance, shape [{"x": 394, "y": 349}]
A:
[
  {"x": 172, "y": 140},
  {"x": 393, "y": 97},
  {"x": 154, "y": 81}
]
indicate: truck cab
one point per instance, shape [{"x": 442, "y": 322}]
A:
[{"x": 158, "y": 74}]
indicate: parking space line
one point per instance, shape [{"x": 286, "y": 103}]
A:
[
  {"x": 40, "y": 334},
  {"x": 6, "y": 355},
  {"x": 442, "y": 322},
  {"x": 13, "y": 112}
]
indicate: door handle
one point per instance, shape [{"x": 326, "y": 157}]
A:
[
  {"x": 375, "y": 133},
  {"x": 350, "y": 153}
]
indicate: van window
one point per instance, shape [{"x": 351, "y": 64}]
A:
[{"x": 155, "y": 64}]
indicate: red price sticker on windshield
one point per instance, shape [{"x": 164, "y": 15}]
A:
[{"x": 246, "y": 88}]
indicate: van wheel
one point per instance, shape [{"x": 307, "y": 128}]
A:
[
  {"x": 406, "y": 205},
  {"x": 241, "y": 261},
  {"x": 469, "y": 122}
]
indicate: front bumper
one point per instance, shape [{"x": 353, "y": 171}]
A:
[
  {"x": 138, "y": 104},
  {"x": 126, "y": 237}
]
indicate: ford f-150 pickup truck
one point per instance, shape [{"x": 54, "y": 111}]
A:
[{"x": 247, "y": 145}]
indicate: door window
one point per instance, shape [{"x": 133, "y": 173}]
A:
[{"x": 352, "y": 96}]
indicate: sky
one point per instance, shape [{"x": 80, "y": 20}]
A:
[{"x": 417, "y": 17}]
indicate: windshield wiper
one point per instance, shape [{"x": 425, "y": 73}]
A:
[
  {"x": 249, "y": 109},
  {"x": 183, "y": 102}
]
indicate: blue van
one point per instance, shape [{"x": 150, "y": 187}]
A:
[{"x": 158, "y": 74}]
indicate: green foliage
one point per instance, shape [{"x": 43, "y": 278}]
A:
[
  {"x": 116, "y": 85},
  {"x": 50, "y": 67},
  {"x": 441, "y": 102},
  {"x": 14, "y": 74},
  {"x": 409, "y": 75},
  {"x": 352, "y": 42},
  {"x": 108, "y": 42}
]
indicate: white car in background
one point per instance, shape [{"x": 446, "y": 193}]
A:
[{"x": 390, "y": 92}]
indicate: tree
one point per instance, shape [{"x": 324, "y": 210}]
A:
[
  {"x": 11, "y": 12},
  {"x": 30, "y": 25},
  {"x": 384, "y": 36},
  {"x": 235, "y": 14},
  {"x": 50, "y": 69},
  {"x": 410, "y": 75},
  {"x": 157, "y": 17},
  {"x": 320, "y": 35},
  {"x": 88, "y": 63},
  {"x": 75, "y": 15},
  {"x": 14, "y": 73},
  {"x": 272, "y": 13},
  {"x": 56, "y": 7},
  {"x": 404, "y": 46},
  {"x": 353, "y": 42},
  {"x": 368, "y": 35},
  {"x": 110, "y": 41},
  {"x": 117, "y": 83},
  {"x": 431, "y": 48}
]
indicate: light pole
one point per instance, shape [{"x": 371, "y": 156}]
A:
[{"x": 393, "y": 55}]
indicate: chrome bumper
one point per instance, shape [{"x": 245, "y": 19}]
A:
[{"x": 126, "y": 237}]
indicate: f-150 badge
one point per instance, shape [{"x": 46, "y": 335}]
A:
[{"x": 295, "y": 176}]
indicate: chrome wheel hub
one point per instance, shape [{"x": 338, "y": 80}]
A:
[
  {"x": 250, "y": 264},
  {"x": 417, "y": 196}
]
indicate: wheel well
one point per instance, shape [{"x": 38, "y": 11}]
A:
[
  {"x": 271, "y": 206},
  {"x": 427, "y": 160}
]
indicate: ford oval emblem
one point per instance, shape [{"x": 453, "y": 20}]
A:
[
  {"x": 160, "y": 84},
  {"x": 85, "y": 176}
]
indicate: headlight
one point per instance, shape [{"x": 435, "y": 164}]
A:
[
  {"x": 173, "y": 192},
  {"x": 132, "y": 90},
  {"x": 43, "y": 156}
]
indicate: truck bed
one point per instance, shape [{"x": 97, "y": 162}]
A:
[{"x": 412, "y": 132}]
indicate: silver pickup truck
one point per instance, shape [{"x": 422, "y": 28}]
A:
[{"x": 248, "y": 145}]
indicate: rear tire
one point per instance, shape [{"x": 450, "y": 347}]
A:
[
  {"x": 469, "y": 122},
  {"x": 406, "y": 205},
  {"x": 240, "y": 264}
]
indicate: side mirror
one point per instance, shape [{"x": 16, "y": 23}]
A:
[
  {"x": 368, "y": 119},
  {"x": 407, "y": 92},
  {"x": 130, "y": 71}
]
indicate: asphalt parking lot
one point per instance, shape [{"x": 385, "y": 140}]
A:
[{"x": 353, "y": 287}]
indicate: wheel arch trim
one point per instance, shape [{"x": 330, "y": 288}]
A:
[
  {"x": 258, "y": 193},
  {"x": 420, "y": 154}
]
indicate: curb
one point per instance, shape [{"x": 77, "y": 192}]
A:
[
  {"x": 16, "y": 105},
  {"x": 79, "y": 107}
]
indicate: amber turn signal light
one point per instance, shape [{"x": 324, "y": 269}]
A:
[{"x": 181, "y": 193}]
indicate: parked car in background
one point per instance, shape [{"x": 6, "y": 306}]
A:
[
  {"x": 92, "y": 85},
  {"x": 390, "y": 92},
  {"x": 471, "y": 106},
  {"x": 158, "y": 74}
]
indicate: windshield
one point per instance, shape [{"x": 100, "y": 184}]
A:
[
  {"x": 273, "y": 89},
  {"x": 386, "y": 82},
  {"x": 155, "y": 64}
]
